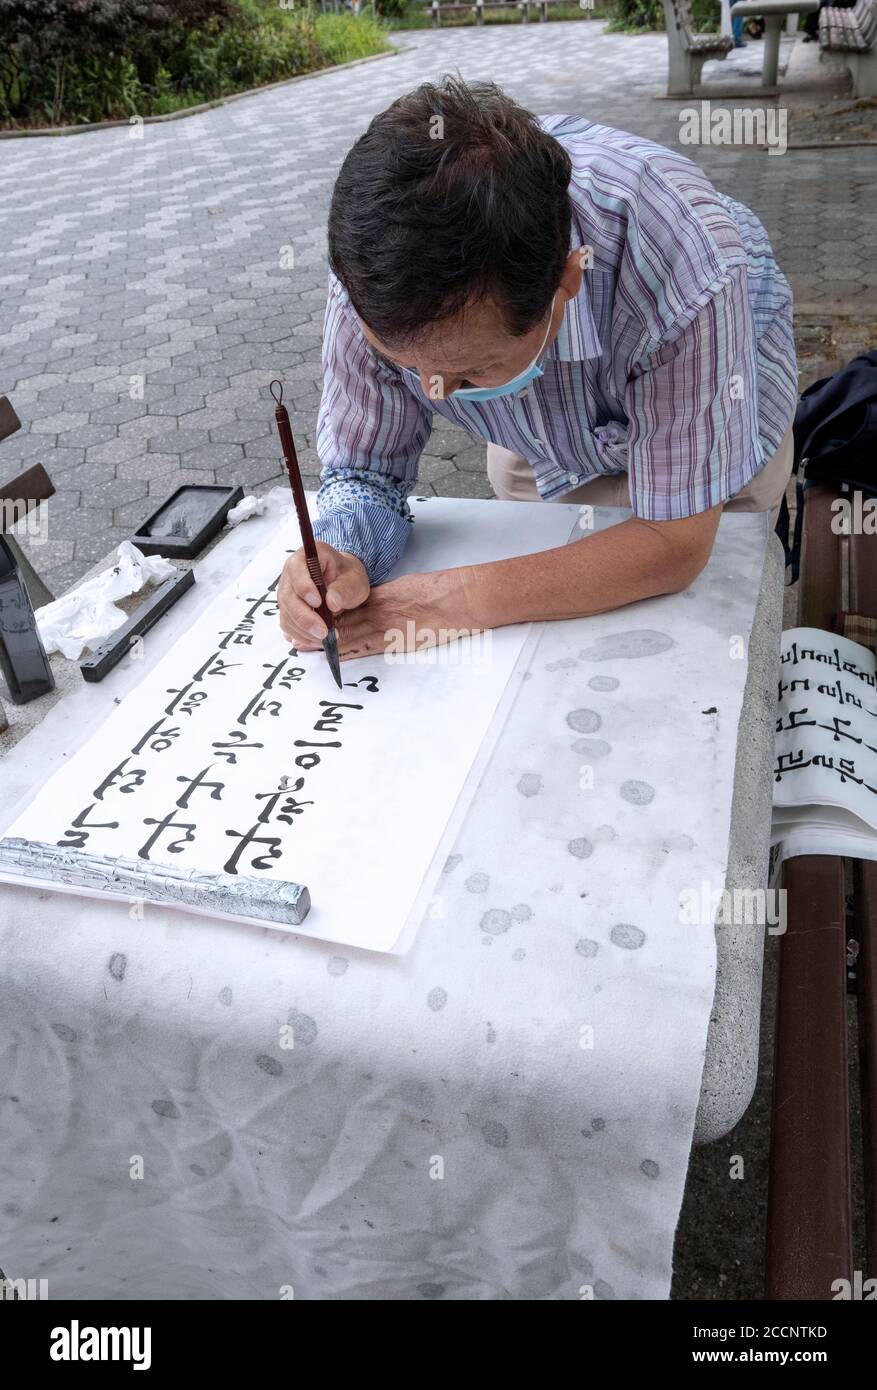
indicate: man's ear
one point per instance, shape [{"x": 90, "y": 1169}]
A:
[{"x": 571, "y": 279}]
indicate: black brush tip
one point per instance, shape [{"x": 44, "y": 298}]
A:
[{"x": 330, "y": 647}]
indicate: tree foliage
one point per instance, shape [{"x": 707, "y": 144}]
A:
[{"x": 69, "y": 61}]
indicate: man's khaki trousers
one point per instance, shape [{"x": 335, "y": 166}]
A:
[{"x": 513, "y": 481}]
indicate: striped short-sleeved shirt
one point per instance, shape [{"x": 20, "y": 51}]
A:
[{"x": 675, "y": 362}]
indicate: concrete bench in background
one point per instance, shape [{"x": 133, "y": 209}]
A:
[
  {"x": 852, "y": 36},
  {"x": 687, "y": 52}
]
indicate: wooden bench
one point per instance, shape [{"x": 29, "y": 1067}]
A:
[
  {"x": 809, "y": 1215},
  {"x": 18, "y": 497},
  {"x": 687, "y": 52},
  {"x": 852, "y": 36},
  {"x": 479, "y": 7},
  {"x": 525, "y": 6}
]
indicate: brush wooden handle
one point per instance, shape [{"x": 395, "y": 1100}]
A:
[{"x": 309, "y": 545}]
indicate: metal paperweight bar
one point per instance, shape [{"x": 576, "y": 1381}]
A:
[{"x": 270, "y": 900}]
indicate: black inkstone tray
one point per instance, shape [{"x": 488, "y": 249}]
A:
[{"x": 189, "y": 518}]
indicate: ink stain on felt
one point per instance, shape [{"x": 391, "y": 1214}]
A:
[
  {"x": 529, "y": 784},
  {"x": 269, "y": 1065},
  {"x": 639, "y": 642},
  {"x": 581, "y": 848},
  {"x": 224, "y": 995},
  {"x": 437, "y": 998},
  {"x": 604, "y": 683},
  {"x": 496, "y": 921},
  {"x": 627, "y": 936},
  {"x": 584, "y": 721},
  {"x": 649, "y": 1167},
  {"x": 586, "y": 947},
  {"x": 522, "y": 912},
  {"x": 451, "y": 863},
  {"x": 681, "y": 842},
  {"x": 166, "y": 1108},
  {"x": 478, "y": 883},
  {"x": 495, "y": 1134},
  {"x": 592, "y": 747},
  {"x": 304, "y": 1028},
  {"x": 118, "y": 964},
  {"x": 63, "y": 1032},
  {"x": 637, "y": 793}
]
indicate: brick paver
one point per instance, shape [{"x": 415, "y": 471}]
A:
[{"x": 194, "y": 258}]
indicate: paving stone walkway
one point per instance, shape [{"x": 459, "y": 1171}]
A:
[{"x": 152, "y": 287}]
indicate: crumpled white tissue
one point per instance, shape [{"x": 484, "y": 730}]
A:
[
  {"x": 278, "y": 496},
  {"x": 247, "y": 507},
  {"x": 88, "y": 614}
]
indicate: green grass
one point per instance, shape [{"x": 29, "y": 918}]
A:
[{"x": 343, "y": 37}]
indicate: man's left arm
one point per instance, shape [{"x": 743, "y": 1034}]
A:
[
  {"x": 634, "y": 560},
  {"x": 692, "y": 444}
]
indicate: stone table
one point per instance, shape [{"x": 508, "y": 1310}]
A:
[
  {"x": 180, "y": 1167},
  {"x": 775, "y": 14}
]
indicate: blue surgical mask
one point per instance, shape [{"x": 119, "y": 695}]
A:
[{"x": 517, "y": 383}]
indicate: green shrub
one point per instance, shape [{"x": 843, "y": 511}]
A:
[
  {"x": 247, "y": 54},
  {"x": 71, "y": 61},
  {"x": 635, "y": 14}
]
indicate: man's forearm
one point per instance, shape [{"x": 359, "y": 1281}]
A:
[
  {"x": 366, "y": 515},
  {"x": 633, "y": 560}
]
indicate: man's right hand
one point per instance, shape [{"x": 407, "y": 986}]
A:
[{"x": 347, "y": 586}]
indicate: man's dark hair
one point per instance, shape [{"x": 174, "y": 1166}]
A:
[{"x": 453, "y": 194}]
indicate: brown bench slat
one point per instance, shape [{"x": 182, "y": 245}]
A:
[
  {"x": 809, "y": 1234},
  {"x": 863, "y": 574},
  {"x": 809, "y": 1231},
  {"x": 863, "y": 599},
  {"x": 9, "y": 421},
  {"x": 27, "y": 489},
  {"x": 865, "y": 922},
  {"x": 821, "y": 561}
]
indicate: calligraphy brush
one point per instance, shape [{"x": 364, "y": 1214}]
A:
[{"x": 290, "y": 458}]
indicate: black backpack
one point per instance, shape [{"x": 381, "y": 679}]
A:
[{"x": 835, "y": 433}]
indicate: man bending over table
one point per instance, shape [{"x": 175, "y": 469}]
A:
[{"x": 583, "y": 300}]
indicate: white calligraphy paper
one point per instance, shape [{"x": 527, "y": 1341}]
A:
[
  {"x": 825, "y": 776},
  {"x": 236, "y": 754}
]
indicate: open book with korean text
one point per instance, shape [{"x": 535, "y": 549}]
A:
[{"x": 825, "y": 769}]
